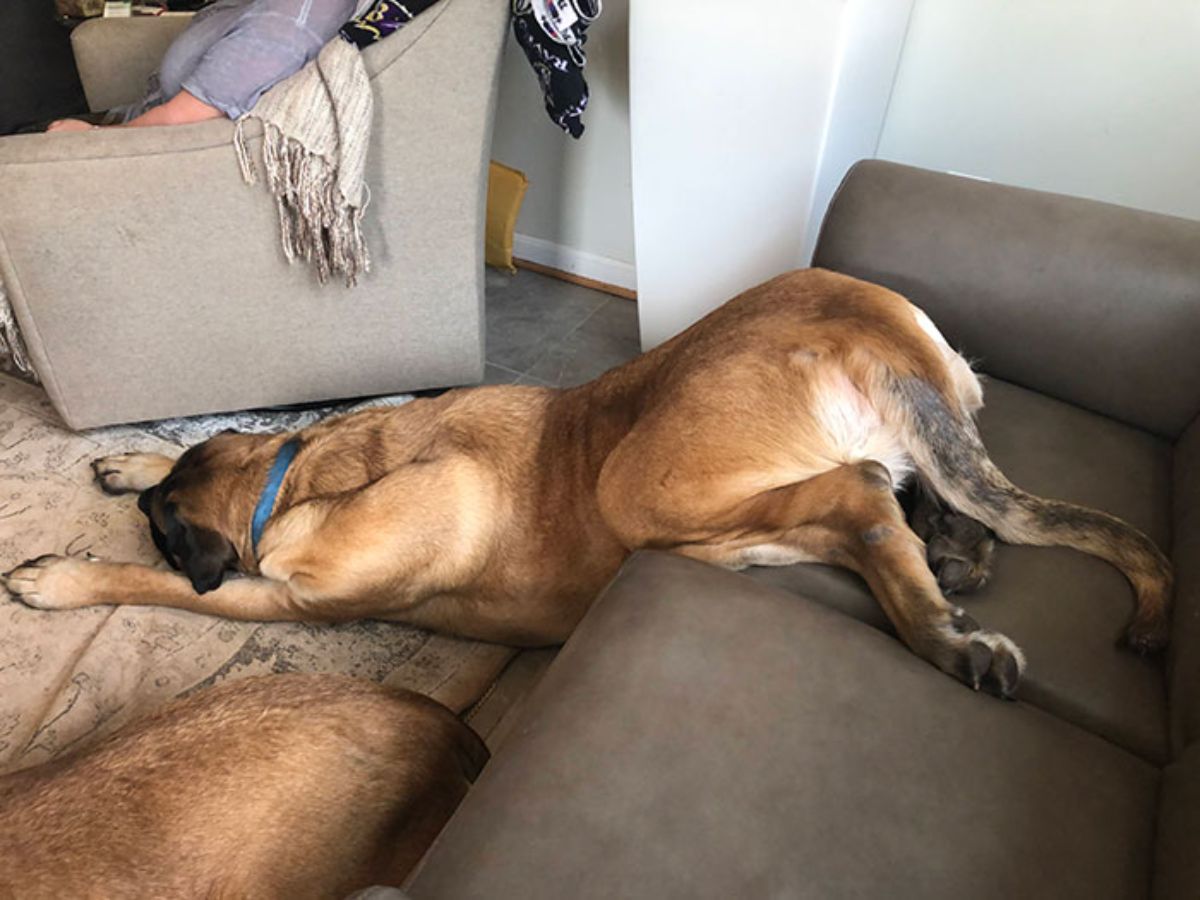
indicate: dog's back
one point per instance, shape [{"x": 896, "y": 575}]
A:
[{"x": 282, "y": 786}]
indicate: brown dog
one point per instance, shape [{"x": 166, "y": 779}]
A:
[
  {"x": 282, "y": 786},
  {"x": 773, "y": 431}
]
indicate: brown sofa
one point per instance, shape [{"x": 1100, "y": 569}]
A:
[{"x": 709, "y": 734}]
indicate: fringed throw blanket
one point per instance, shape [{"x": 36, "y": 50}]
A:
[
  {"x": 316, "y": 130},
  {"x": 14, "y": 358}
]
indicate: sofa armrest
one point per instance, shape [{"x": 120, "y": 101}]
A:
[
  {"x": 702, "y": 735},
  {"x": 1091, "y": 303},
  {"x": 116, "y": 57}
]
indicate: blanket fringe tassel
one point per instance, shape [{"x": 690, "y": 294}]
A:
[{"x": 316, "y": 222}]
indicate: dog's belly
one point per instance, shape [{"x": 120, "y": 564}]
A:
[
  {"x": 522, "y": 614},
  {"x": 770, "y": 555}
]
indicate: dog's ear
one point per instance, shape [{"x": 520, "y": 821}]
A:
[
  {"x": 203, "y": 555},
  {"x": 145, "y": 498}
]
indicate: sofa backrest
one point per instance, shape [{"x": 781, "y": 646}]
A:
[{"x": 1091, "y": 303}]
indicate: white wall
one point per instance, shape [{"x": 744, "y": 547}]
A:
[
  {"x": 872, "y": 35},
  {"x": 743, "y": 122},
  {"x": 1096, "y": 98},
  {"x": 578, "y": 211}
]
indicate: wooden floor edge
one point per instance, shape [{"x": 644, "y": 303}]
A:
[{"x": 571, "y": 277}]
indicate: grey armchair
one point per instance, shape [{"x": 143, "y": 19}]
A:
[{"x": 148, "y": 279}]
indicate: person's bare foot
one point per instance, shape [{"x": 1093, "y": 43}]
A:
[{"x": 70, "y": 125}]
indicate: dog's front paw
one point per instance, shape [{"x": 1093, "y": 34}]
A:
[
  {"x": 51, "y": 582},
  {"x": 981, "y": 659},
  {"x": 130, "y": 472}
]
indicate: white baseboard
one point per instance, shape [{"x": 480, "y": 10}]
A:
[{"x": 577, "y": 262}]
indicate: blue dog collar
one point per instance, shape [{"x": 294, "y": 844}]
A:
[{"x": 266, "y": 500}]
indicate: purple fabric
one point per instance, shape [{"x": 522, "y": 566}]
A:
[{"x": 235, "y": 50}]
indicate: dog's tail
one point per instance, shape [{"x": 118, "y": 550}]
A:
[{"x": 950, "y": 457}]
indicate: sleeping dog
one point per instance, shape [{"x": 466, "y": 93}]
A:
[
  {"x": 774, "y": 431},
  {"x": 283, "y": 786}
]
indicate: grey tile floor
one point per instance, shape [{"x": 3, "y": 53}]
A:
[{"x": 544, "y": 331}]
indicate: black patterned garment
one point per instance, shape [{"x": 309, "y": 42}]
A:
[
  {"x": 382, "y": 19},
  {"x": 557, "y": 61}
]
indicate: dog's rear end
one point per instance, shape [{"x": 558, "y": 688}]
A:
[
  {"x": 933, "y": 408},
  {"x": 285, "y": 786},
  {"x": 952, "y": 461}
]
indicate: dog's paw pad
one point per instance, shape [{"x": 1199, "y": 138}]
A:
[{"x": 960, "y": 552}]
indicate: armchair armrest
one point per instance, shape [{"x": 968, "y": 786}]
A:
[
  {"x": 116, "y": 57},
  {"x": 127, "y": 147}
]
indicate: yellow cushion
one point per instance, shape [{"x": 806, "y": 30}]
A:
[{"x": 506, "y": 190}]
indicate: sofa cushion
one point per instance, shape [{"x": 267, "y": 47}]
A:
[
  {"x": 1064, "y": 609},
  {"x": 702, "y": 735},
  {"x": 1177, "y": 840}
]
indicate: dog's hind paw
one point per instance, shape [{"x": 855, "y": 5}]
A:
[
  {"x": 981, "y": 659},
  {"x": 960, "y": 552},
  {"x": 959, "y": 549}
]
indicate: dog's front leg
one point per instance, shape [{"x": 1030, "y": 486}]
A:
[{"x": 69, "y": 582}]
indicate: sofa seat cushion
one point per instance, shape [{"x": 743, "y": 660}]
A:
[
  {"x": 703, "y": 735},
  {"x": 1066, "y": 610}
]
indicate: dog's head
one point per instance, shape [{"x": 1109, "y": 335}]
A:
[{"x": 188, "y": 510}]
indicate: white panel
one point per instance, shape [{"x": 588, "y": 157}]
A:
[
  {"x": 1096, "y": 98},
  {"x": 872, "y": 36},
  {"x": 728, "y": 106}
]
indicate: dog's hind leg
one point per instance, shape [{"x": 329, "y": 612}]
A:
[
  {"x": 949, "y": 454},
  {"x": 131, "y": 472},
  {"x": 847, "y": 517}
]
